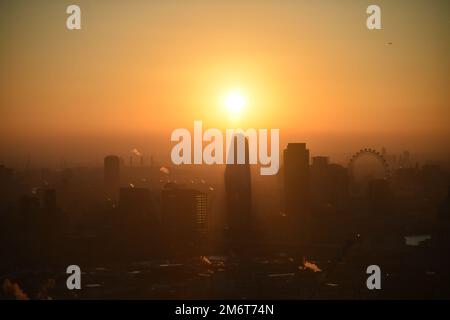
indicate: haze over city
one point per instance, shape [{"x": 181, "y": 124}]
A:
[
  {"x": 136, "y": 71},
  {"x": 338, "y": 188}
]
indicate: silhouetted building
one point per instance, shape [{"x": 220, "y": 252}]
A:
[
  {"x": 29, "y": 211},
  {"x": 406, "y": 176},
  {"x": 434, "y": 180},
  {"x": 136, "y": 224},
  {"x": 320, "y": 162},
  {"x": 238, "y": 194},
  {"x": 406, "y": 182},
  {"x": 442, "y": 225},
  {"x": 330, "y": 185},
  {"x": 183, "y": 215},
  {"x": 379, "y": 196},
  {"x": 320, "y": 182},
  {"x": 39, "y": 228},
  {"x": 112, "y": 176},
  {"x": 135, "y": 203},
  {"x": 297, "y": 187},
  {"x": 339, "y": 186}
]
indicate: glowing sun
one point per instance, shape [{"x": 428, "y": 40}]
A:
[{"x": 235, "y": 102}]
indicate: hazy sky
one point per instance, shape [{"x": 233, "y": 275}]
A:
[{"x": 139, "y": 69}]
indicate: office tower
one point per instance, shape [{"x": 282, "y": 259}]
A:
[
  {"x": 296, "y": 179},
  {"x": 320, "y": 162},
  {"x": 330, "y": 185},
  {"x": 183, "y": 215},
  {"x": 339, "y": 187},
  {"x": 320, "y": 181},
  {"x": 297, "y": 189},
  {"x": 238, "y": 193},
  {"x": 112, "y": 176}
]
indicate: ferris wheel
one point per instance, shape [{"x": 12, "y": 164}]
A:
[{"x": 370, "y": 152}]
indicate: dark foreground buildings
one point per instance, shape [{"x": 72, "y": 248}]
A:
[
  {"x": 297, "y": 190},
  {"x": 184, "y": 220},
  {"x": 136, "y": 222},
  {"x": 330, "y": 186}
]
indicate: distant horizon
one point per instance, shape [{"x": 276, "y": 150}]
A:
[
  {"x": 55, "y": 155},
  {"x": 137, "y": 71}
]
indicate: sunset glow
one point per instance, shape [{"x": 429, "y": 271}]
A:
[
  {"x": 311, "y": 71},
  {"x": 208, "y": 150},
  {"x": 235, "y": 102}
]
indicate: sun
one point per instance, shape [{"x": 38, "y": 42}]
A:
[{"x": 235, "y": 101}]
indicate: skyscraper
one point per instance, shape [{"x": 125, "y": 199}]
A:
[
  {"x": 112, "y": 176},
  {"x": 238, "y": 193},
  {"x": 339, "y": 187},
  {"x": 297, "y": 186},
  {"x": 329, "y": 186},
  {"x": 320, "y": 182},
  {"x": 184, "y": 216}
]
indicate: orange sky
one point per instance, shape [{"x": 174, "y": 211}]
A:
[{"x": 139, "y": 69}]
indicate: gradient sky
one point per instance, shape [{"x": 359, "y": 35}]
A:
[{"x": 139, "y": 69}]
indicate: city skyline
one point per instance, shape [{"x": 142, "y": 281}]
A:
[{"x": 233, "y": 150}]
